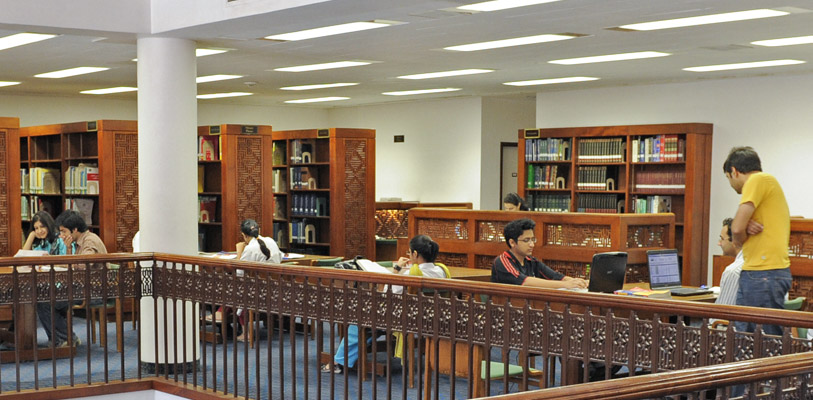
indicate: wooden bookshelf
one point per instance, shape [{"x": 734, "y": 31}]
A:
[
  {"x": 643, "y": 180},
  {"x": 10, "y": 237},
  {"x": 109, "y": 146},
  {"x": 324, "y": 193},
  {"x": 236, "y": 175}
]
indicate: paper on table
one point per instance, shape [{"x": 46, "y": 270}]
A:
[
  {"x": 289, "y": 256},
  {"x": 31, "y": 253},
  {"x": 372, "y": 266}
]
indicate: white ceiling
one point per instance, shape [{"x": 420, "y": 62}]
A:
[{"x": 415, "y": 47}]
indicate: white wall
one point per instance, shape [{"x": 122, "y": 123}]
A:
[
  {"x": 772, "y": 114},
  {"x": 440, "y": 157},
  {"x": 280, "y": 118},
  {"x": 502, "y": 119}
]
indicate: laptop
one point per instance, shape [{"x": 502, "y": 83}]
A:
[
  {"x": 606, "y": 272},
  {"x": 664, "y": 273}
]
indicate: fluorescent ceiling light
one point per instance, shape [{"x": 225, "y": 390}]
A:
[
  {"x": 520, "y": 41},
  {"x": 119, "y": 89},
  {"x": 316, "y": 67},
  {"x": 317, "y": 100},
  {"x": 320, "y": 86},
  {"x": 208, "y": 52},
  {"x": 8, "y": 83},
  {"x": 552, "y": 81},
  {"x": 214, "y": 78},
  {"x": 785, "y": 41},
  {"x": 20, "y": 39},
  {"x": 331, "y": 30},
  {"x": 71, "y": 72},
  {"x": 758, "y": 64},
  {"x": 219, "y": 95},
  {"x": 501, "y": 5},
  {"x": 424, "y": 91},
  {"x": 705, "y": 19},
  {"x": 442, "y": 74},
  {"x": 610, "y": 57}
]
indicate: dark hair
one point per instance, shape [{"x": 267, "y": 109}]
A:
[
  {"x": 71, "y": 220},
  {"x": 425, "y": 246},
  {"x": 249, "y": 227},
  {"x": 513, "y": 198},
  {"x": 727, "y": 223},
  {"x": 514, "y": 229},
  {"x": 45, "y": 219},
  {"x": 744, "y": 159}
]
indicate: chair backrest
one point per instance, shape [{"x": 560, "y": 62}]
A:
[
  {"x": 327, "y": 262},
  {"x": 797, "y": 304}
]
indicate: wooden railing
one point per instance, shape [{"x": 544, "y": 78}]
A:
[
  {"x": 644, "y": 335},
  {"x": 566, "y": 242},
  {"x": 391, "y": 217}
]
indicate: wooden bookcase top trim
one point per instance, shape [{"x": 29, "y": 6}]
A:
[
  {"x": 622, "y": 130},
  {"x": 9, "y": 123},
  {"x": 332, "y": 133},
  {"x": 235, "y": 129}
]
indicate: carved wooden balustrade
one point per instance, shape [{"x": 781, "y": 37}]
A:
[
  {"x": 566, "y": 241},
  {"x": 643, "y": 335},
  {"x": 392, "y": 217}
]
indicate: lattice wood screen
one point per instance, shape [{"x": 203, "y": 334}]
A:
[
  {"x": 126, "y": 190},
  {"x": 249, "y": 182},
  {"x": 5, "y": 228},
  {"x": 357, "y": 211}
]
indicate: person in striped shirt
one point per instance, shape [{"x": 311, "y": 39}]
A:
[
  {"x": 516, "y": 266},
  {"x": 730, "y": 280}
]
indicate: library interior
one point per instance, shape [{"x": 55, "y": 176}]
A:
[{"x": 151, "y": 153}]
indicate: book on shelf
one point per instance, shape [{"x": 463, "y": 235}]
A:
[
  {"x": 83, "y": 206},
  {"x": 601, "y": 150},
  {"x": 599, "y": 203},
  {"x": 544, "y": 177},
  {"x": 302, "y": 178},
  {"x": 551, "y": 149},
  {"x": 208, "y": 148},
  {"x": 311, "y": 204},
  {"x": 279, "y": 182},
  {"x": 651, "y": 204},
  {"x": 92, "y": 183},
  {"x": 673, "y": 181},
  {"x": 278, "y": 153},
  {"x": 280, "y": 234},
  {"x": 25, "y": 183},
  {"x": 201, "y": 178},
  {"x": 659, "y": 148},
  {"x": 44, "y": 180},
  {"x": 82, "y": 179},
  {"x": 25, "y": 211},
  {"x": 593, "y": 178},
  {"x": 548, "y": 202},
  {"x": 208, "y": 209}
]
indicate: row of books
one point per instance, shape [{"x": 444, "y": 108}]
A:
[
  {"x": 279, "y": 182},
  {"x": 545, "y": 177},
  {"x": 301, "y": 151},
  {"x": 601, "y": 150},
  {"x": 309, "y": 205},
  {"x": 547, "y": 149},
  {"x": 302, "y": 178},
  {"x": 209, "y": 148},
  {"x": 599, "y": 203},
  {"x": 661, "y": 180},
  {"x": 83, "y": 206},
  {"x": 651, "y": 204},
  {"x": 208, "y": 209},
  {"x": 34, "y": 204},
  {"x": 302, "y": 231},
  {"x": 594, "y": 178},
  {"x": 82, "y": 179},
  {"x": 39, "y": 180},
  {"x": 280, "y": 234},
  {"x": 548, "y": 202},
  {"x": 660, "y": 148}
]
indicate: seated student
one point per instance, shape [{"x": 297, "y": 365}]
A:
[
  {"x": 730, "y": 280},
  {"x": 44, "y": 235},
  {"x": 512, "y": 202},
  {"x": 421, "y": 262},
  {"x": 517, "y": 266}
]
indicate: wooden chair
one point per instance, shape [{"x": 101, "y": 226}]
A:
[
  {"x": 98, "y": 313},
  {"x": 794, "y": 304}
]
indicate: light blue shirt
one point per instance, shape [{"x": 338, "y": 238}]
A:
[{"x": 60, "y": 248}]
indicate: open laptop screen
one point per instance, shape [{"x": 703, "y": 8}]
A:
[{"x": 664, "y": 268}]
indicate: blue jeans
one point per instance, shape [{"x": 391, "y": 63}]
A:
[{"x": 765, "y": 289}]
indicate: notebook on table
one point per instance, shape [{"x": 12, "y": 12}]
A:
[
  {"x": 607, "y": 272},
  {"x": 664, "y": 273}
]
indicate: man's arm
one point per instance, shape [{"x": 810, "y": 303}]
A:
[
  {"x": 551, "y": 284},
  {"x": 740, "y": 224}
]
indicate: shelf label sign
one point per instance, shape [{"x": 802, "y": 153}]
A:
[
  {"x": 323, "y": 133},
  {"x": 92, "y": 127},
  {"x": 250, "y": 129},
  {"x": 214, "y": 130},
  {"x": 531, "y": 133}
]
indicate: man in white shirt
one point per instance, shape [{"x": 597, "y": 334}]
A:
[{"x": 730, "y": 281}]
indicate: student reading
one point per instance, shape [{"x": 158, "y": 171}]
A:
[{"x": 512, "y": 202}]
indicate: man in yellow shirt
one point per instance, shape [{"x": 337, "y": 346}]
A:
[{"x": 762, "y": 227}]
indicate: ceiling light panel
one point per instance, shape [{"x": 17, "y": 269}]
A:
[
  {"x": 71, "y": 72},
  {"x": 220, "y": 95},
  {"x": 208, "y": 52},
  {"x": 317, "y": 100},
  {"x": 332, "y": 30},
  {"x": 610, "y": 57},
  {"x": 757, "y": 64},
  {"x": 20, "y": 39},
  {"x": 552, "y": 81},
  {"x": 496, "y": 5},
  {"x": 423, "y": 91},
  {"x": 8, "y": 83},
  {"x": 215, "y": 78},
  {"x": 316, "y": 67},
  {"x": 318, "y": 86},
  {"x": 705, "y": 19},
  {"x": 520, "y": 41},
  {"x": 119, "y": 89},
  {"x": 442, "y": 74},
  {"x": 791, "y": 41}
]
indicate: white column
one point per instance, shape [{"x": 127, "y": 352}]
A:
[{"x": 167, "y": 173}]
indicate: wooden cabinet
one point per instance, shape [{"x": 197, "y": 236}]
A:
[
  {"x": 234, "y": 183},
  {"x": 89, "y": 166},
  {"x": 324, "y": 191},
  {"x": 10, "y": 234},
  {"x": 632, "y": 169}
]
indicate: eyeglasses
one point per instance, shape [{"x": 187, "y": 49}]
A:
[{"x": 530, "y": 239}]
